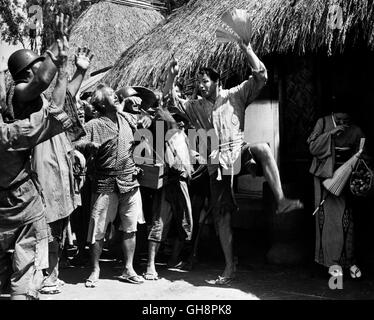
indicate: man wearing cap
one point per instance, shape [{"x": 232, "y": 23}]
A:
[
  {"x": 23, "y": 228},
  {"x": 221, "y": 114},
  {"x": 53, "y": 159}
]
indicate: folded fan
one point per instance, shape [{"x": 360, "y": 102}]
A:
[
  {"x": 224, "y": 36},
  {"x": 239, "y": 21},
  {"x": 338, "y": 181}
]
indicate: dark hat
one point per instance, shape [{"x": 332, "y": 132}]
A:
[
  {"x": 21, "y": 60},
  {"x": 149, "y": 99}
]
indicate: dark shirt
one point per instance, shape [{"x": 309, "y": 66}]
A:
[{"x": 20, "y": 201}]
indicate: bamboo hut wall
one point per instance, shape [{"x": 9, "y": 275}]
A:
[{"x": 307, "y": 85}]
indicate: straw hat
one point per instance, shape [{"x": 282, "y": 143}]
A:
[{"x": 149, "y": 99}]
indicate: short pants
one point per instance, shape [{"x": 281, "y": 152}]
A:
[
  {"x": 178, "y": 207},
  {"x": 105, "y": 207},
  {"x": 221, "y": 193}
]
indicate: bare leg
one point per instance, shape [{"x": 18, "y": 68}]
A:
[
  {"x": 263, "y": 153},
  {"x": 177, "y": 248},
  {"x": 95, "y": 250},
  {"x": 128, "y": 247},
  {"x": 197, "y": 203},
  {"x": 225, "y": 236},
  {"x": 152, "y": 251}
]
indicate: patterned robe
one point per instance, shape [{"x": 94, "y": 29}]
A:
[{"x": 334, "y": 221}]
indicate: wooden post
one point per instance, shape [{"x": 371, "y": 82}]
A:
[
  {"x": 281, "y": 108},
  {"x": 2, "y": 89}
]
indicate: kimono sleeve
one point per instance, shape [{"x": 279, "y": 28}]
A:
[{"x": 320, "y": 143}]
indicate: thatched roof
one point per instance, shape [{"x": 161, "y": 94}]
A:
[
  {"x": 109, "y": 28},
  {"x": 279, "y": 27},
  {"x": 90, "y": 83}
]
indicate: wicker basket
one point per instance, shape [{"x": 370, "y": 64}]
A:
[{"x": 362, "y": 179}]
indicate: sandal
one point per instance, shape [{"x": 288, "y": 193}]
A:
[
  {"x": 355, "y": 272},
  {"x": 91, "y": 283},
  {"x": 50, "y": 290},
  {"x": 60, "y": 282},
  {"x": 180, "y": 265},
  {"x": 150, "y": 276},
  {"x": 221, "y": 281},
  {"x": 135, "y": 279}
]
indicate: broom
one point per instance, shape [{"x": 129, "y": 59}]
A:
[
  {"x": 239, "y": 22},
  {"x": 337, "y": 182}
]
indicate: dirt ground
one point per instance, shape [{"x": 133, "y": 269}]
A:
[{"x": 255, "y": 280}]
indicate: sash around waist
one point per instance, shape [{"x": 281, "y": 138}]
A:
[{"x": 116, "y": 172}]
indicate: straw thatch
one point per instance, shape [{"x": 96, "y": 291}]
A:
[
  {"x": 91, "y": 82},
  {"x": 109, "y": 28},
  {"x": 279, "y": 27}
]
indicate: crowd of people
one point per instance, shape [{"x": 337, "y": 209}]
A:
[{"x": 72, "y": 158}]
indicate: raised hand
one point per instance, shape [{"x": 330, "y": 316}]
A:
[
  {"x": 133, "y": 100},
  {"x": 338, "y": 130},
  {"x": 145, "y": 121},
  {"x": 244, "y": 46},
  {"x": 63, "y": 24},
  {"x": 83, "y": 58},
  {"x": 62, "y": 57},
  {"x": 174, "y": 68}
]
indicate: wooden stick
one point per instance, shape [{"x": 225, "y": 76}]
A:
[
  {"x": 139, "y": 4},
  {"x": 322, "y": 202}
]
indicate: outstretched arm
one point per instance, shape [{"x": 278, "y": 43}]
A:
[
  {"x": 82, "y": 62},
  {"x": 60, "y": 62},
  {"x": 25, "y": 92},
  {"x": 254, "y": 61},
  {"x": 173, "y": 72},
  {"x": 39, "y": 127},
  {"x": 250, "y": 89},
  {"x": 44, "y": 124},
  {"x": 258, "y": 68}
]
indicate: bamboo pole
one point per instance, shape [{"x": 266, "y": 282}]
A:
[{"x": 139, "y": 4}]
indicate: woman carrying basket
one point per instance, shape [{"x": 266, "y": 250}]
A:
[{"x": 334, "y": 140}]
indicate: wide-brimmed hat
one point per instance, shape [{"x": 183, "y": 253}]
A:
[{"x": 149, "y": 99}]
